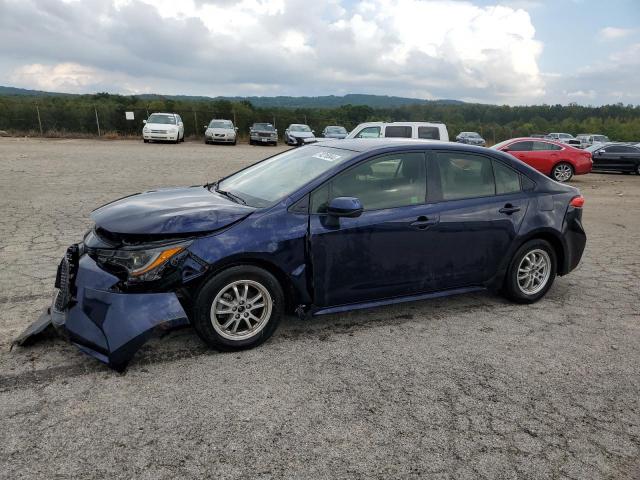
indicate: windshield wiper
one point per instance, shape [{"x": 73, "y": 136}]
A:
[{"x": 229, "y": 195}]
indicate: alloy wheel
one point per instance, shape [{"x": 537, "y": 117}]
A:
[
  {"x": 241, "y": 310},
  {"x": 534, "y": 271},
  {"x": 562, "y": 172}
]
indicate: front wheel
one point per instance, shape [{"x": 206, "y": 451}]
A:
[
  {"x": 531, "y": 272},
  {"x": 562, "y": 172},
  {"x": 239, "y": 308},
  {"x": 637, "y": 168}
]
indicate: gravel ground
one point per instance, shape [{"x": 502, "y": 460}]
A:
[{"x": 465, "y": 387}]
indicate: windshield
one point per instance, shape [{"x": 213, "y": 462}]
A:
[
  {"x": 299, "y": 128},
  {"x": 163, "y": 119},
  {"x": 470, "y": 134},
  {"x": 336, "y": 130},
  {"x": 600, "y": 138},
  {"x": 263, "y": 126},
  {"x": 267, "y": 182},
  {"x": 221, "y": 124}
]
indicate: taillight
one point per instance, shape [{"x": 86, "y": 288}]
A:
[{"x": 577, "y": 202}]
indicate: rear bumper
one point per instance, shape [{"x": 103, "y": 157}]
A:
[
  {"x": 575, "y": 240},
  {"x": 108, "y": 325}
]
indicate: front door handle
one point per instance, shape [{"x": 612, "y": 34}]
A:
[
  {"x": 508, "y": 209},
  {"x": 423, "y": 222}
]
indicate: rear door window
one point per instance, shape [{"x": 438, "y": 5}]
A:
[
  {"x": 398, "y": 131},
  {"x": 521, "y": 147},
  {"x": 537, "y": 146},
  {"x": 429, "y": 133},
  {"x": 464, "y": 176}
]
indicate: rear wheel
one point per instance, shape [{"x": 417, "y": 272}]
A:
[
  {"x": 531, "y": 272},
  {"x": 562, "y": 172},
  {"x": 239, "y": 308},
  {"x": 637, "y": 168}
]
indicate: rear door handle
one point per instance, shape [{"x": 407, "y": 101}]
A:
[
  {"x": 508, "y": 209},
  {"x": 423, "y": 222}
]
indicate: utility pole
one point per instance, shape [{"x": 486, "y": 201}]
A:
[
  {"x": 39, "y": 121},
  {"x": 195, "y": 122},
  {"x": 97, "y": 121}
]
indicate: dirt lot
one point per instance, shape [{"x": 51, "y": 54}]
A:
[{"x": 465, "y": 387}]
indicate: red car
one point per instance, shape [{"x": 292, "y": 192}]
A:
[{"x": 555, "y": 159}]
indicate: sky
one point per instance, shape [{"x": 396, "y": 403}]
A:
[{"x": 517, "y": 52}]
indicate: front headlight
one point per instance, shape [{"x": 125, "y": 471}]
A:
[
  {"x": 145, "y": 130},
  {"x": 140, "y": 265}
]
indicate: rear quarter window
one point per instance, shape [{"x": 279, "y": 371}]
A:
[
  {"x": 507, "y": 179},
  {"x": 429, "y": 133},
  {"x": 398, "y": 131}
]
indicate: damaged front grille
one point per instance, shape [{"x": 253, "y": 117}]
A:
[{"x": 65, "y": 277}]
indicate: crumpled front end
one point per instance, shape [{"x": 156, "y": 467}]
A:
[{"x": 90, "y": 310}]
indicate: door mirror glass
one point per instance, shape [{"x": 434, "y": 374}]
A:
[
  {"x": 144, "y": 121},
  {"x": 349, "y": 207}
]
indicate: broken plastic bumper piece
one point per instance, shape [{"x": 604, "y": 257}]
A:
[{"x": 105, "y": 324}]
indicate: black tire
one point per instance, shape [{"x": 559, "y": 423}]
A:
[
  {"x": 637, "y": 168},
  {"x": 145, "y": 140},
  {"x": 235, "y": 142},
  {"x": 512, "y": 288},
  {"x": 203, "y": 323},
  {"x": 250, "y": 142},
  {"x": 558, "y": 172},
  {"x": 182, "y": 140}
]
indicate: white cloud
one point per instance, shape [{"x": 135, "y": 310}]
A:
[
  {"x": 434, "y": 48},
  {"x": 613, "y": 33}
]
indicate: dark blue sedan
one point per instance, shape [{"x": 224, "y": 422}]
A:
[{"x": 333, "y": 227}]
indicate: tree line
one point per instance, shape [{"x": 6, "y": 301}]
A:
[{"x": 82, "y": 114}]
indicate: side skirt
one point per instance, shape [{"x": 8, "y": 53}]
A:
[{"x": 391, "y": 301}]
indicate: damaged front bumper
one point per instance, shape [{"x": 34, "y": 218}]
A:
[{"x": 104, "y": 323}]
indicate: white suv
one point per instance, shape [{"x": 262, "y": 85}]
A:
[
  {"x": 163, "y": 126},
  {"x": 422, "y": 130}
]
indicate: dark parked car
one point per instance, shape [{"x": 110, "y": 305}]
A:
[
  {"x": 335, "y": 131},
  {"x": 325, "y": 228},
  {"x": 615, "y": 157},
  {"x": 263, "y": 133},
  {"x": 471, "y": 138}
]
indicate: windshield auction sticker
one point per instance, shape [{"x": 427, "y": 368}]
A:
[{"x": 329, "y": 157}]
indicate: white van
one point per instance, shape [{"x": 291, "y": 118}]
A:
[{"x": 422, "y": 130}]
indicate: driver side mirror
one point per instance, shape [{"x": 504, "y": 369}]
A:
[
  {"x": 144, "y": 121},
  {"x": 206, "y": 126},
  {"x": 601, "y": 151},
  {"x": 348, "y": 207}
]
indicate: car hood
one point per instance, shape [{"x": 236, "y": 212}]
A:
[
  {"x": 221, "y": 130},
  {"x": 335, "y": 135},
  {"x": 174, "y": 211},
  {"x": 160, "y": 126},
  {"x": 301, "y": 134}
]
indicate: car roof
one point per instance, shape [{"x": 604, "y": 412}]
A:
[
  {"x": 375, "y": 124},
  {"x": 372, "y": 144},
  {"x": 536, "y": 139}
]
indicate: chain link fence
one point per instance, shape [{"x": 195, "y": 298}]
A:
[{"x": 57, "y": 117}]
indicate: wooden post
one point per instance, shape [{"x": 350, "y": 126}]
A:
[
  {"x": 195, "y": 122},
  {"x": 39, "y": 120},
  {"x": 97, "y": 120}
]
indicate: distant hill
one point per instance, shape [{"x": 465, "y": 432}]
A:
[{"x": 326, "y": 101}]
